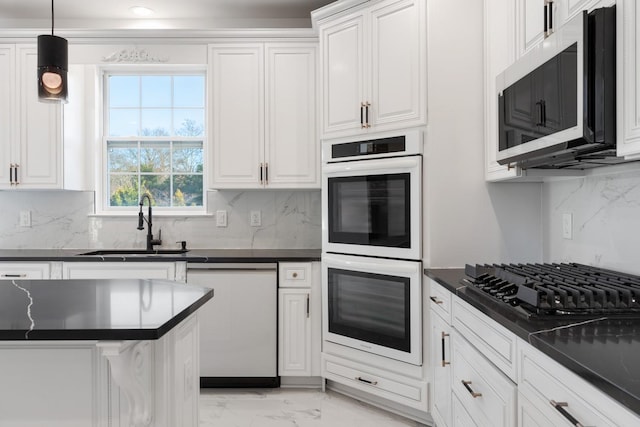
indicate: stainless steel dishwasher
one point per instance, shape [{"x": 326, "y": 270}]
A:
[{"x": 238, "y": 327}]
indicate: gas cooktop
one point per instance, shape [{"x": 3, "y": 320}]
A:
[{"x": 550, "y": 290}]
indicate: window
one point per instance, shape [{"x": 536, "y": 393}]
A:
[{"x": 154, "y": 136}]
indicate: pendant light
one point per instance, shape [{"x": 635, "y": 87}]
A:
[{"x": 52, "y": 67}]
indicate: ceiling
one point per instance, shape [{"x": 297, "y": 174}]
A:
[{"x": 177, "y": 14}]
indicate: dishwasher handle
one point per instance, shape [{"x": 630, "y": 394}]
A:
[{"x": 240, "y": 266}]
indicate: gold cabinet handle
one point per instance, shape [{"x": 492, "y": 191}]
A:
[
  {"x": 471, "y": 392},
  {"x": 444, "y": 361}
]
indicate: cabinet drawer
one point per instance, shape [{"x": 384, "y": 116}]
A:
[
  {"x": 374, "y": 381},
  {"x": 543, "y": 382},
  {"x": 294, "y": 275},
  {"x": 25, "y": 271},
  {"x": 486, "y": 393},
  {"x": 440, "y": 300},
  {"x": 494, "y": 341}
]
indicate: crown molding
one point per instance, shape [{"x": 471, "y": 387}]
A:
[{"x": 151, "y": 36}]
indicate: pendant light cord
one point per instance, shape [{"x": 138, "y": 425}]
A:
[{"x": 51, "y": 17}]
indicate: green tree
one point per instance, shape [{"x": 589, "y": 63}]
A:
[{"x": 178, "y": 198}]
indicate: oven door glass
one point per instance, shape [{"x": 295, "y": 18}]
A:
[
  {"x": 372, "y": 308},
  {"x": 373, "y": 210}
]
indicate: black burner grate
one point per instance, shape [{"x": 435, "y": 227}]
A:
[{"x": 551, "y": 289}]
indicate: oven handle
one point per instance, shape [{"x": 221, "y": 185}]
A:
[
  {"x": 372, "y": 267},
  {"x": 373, "y": 165}
]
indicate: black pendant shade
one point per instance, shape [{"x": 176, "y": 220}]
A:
[
  {"x": 52, "y": 68},
  {"x": 53, "y": 63}
]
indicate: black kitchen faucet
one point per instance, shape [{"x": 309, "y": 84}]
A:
[{"x": 150, "y": 240}]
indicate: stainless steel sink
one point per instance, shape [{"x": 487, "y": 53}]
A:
[{"x": 130, "y": 252}]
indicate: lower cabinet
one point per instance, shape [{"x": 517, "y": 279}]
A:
[
  {"x": 441, "y": 361},
  {"x": 299, "y": 319},
  {"x": 379, "y": 382},
  {"x": 119, "y": 270},
  {"x": 25, "y": 270},
  {"x": 461, "y": 417},
  {"x": 486, "y": 393},
  {"x": 551, "y": 395},
  {"x": 496, "y": 379}
]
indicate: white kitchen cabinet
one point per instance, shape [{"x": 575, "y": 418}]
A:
[
  {"x": 294, "y": 330},
  {"x": 461, "y": 417},
  {"x": 493, "y": 340},
  {"x": 499, "y": 53},
  {"x": 373, "y": 68},
  {"x": 299, "y": 319},
  {"x": 25, "y": 270},
  {"x": 380, "y": 382},
  {"x": 530, "y": 18},
  {"x": 263, "y": 115},
  {"x": 628, "y": 93},
  {"x": 118, "y": 270},
  {"x": 485, "y": 392},
  {"x": 31, "y": 135},
  {"x": 565, "y": 10},
  {"x": 489, "y": 396},
  {"x": 441, "y": 370},
  {"x": 545, "y": 384}
]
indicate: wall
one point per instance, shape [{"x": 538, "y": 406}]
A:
[
  {"x": 466, "y": 219},
  {"x": 606, "y": 218},
  {"x": 62, "y": 219}
]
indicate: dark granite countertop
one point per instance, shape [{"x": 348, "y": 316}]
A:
[
  {"x": 193, "y": 255},
  {"x": 122, "y": 309},
  {"x": 604, "y": 351}
]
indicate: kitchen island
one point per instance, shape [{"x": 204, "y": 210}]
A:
[{"x": 99, "y": 353}]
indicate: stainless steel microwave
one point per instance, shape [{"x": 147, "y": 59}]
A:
[{"x": 557, "y": 103}]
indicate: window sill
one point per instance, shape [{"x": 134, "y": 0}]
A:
[{"x": 178, "y": 214}]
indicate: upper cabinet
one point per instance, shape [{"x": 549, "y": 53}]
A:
[
  {"x": 535, "y": 18},
  {"x": 373, "y": 68},
  {"x": 499, "y": 53},
  {"x": 628, "y": 94},
  {"x": 31, "y": 131},
  {"x": 263, "y": 115}
]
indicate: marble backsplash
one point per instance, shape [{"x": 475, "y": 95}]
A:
[
  {"x": 65, "y": 220},
  {"x": 606, "y": 219}
]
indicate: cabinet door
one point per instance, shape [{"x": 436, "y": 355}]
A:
[
  {"x": 460, "y": 416},
  {"x": 397, "y": 87},
  {"x": 499, "y": 53},
  {"x": 25, "y": 271},
  {"x": 7, "y": 117},
  {"x": 40, "y": 155},
  {"x": 237, "y": 115},
  {"x": 565, "y": 10},
  {"x": 342, "y": 71},
  {"x": 291, "y": 134},
  {"x": 628, "y": 53},
  {"x": 530, "y": 24},
  {"x": 294, "y": 330},
  {"x": 530, "y": 415},
  {"x": 441, "y": 360},
  {"x": 119, "y": 270}
]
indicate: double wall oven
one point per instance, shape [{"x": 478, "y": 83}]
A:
[{"x": 371, "y": 232}]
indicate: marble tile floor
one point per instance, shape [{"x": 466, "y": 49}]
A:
[{"x": 287, "y": 407}]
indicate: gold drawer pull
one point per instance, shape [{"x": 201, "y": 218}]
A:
[
  {"x": 560, "y": 408},
  {"x": 473, "y": 393},
  {"x": 370, "y": 382}
]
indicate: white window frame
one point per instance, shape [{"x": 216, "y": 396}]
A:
[{"x": 102, "y": 185}]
